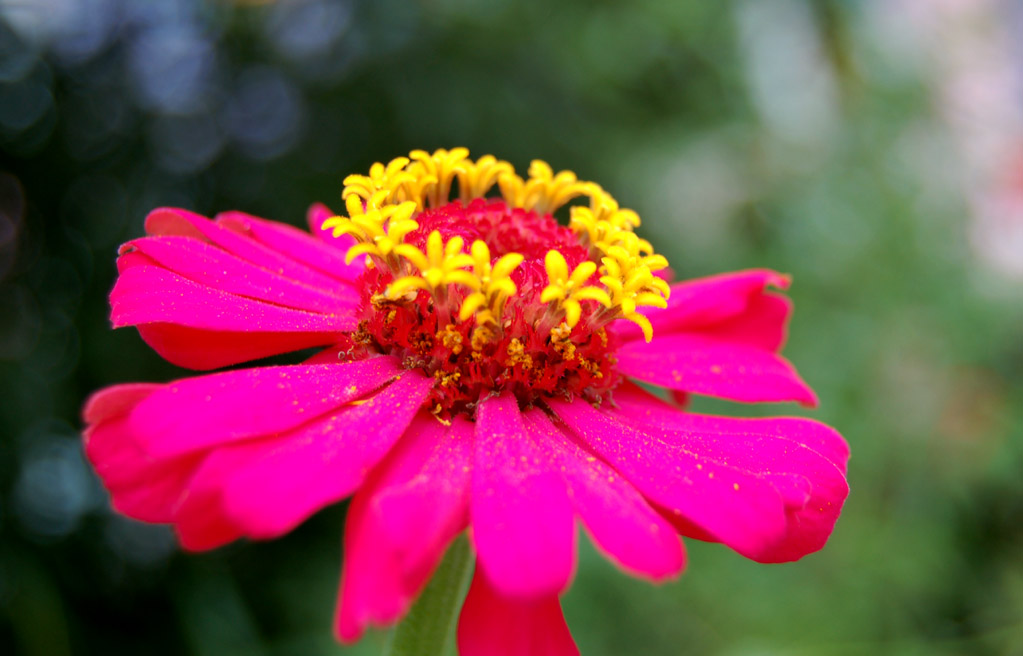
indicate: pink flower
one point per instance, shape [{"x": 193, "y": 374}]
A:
[{"x": 475, "y": 373}]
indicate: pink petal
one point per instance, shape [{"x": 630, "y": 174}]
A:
[
  {"x": 198, "y": 278},
  {"x": 115, "y": 401},
  {"x": 207, "y": 411},
  {"x": 706, "y": 301},
  {"x": 718, "y": 337},
  {"x": 812, "y": 488},
  {"x": 494, "y": 625},
  {"x": 198, "y": 513},
  {"x": 803, "y": 460},
  {"x": 620, "y": 521},
  {"x": 317, "y": 214},
  {"x": 259, "y": 487},
  {"x": 278, "y": 483},
  {"x": 263, "y": 488},
  {"x": 643, "y": 407},
  {"x": 704, "y": 365},
  {"x": 139, "y": 486},
  {"x": 203, "y": 350},
  {"x": 173, "y": 221},
  {"x": 150, "y": 294},
  {"x": 208, "y": 265},
  {"x": 296, "y": 244},
  {"x": 401, "y": 522},
  {"x": 521, "y": 515},
  {"x": 734, "y": 506},
  {"x": 763, "y": 325},
  {"x": 208, "y": 531}
]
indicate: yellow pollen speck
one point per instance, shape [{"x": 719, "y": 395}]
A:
[
  {"x": 735, "y": 486},
  {"x": 517, "y": 355},
  {"x": 447, "y": 379},
  {"x": 481, "y": 336},
  {"x": 437, "y": 411},
  {"x": 450, "y": 338},
  {"x": 560, "y": 340}
]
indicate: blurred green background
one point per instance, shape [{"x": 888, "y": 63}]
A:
[{"x": 872, "y": 149}]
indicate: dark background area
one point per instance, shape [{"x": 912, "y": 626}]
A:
[{"x": 823, "y": 139}]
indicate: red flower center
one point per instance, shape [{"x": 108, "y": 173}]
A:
[{"x": 530, "y": 352}]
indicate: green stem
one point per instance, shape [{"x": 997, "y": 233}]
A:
[{"x": 429, "y": 626}]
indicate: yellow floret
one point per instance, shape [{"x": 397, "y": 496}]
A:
[
  {"x": 441, "y": 265},
  {"x": 568, "y": 291},
  {"x": 493, "y": 284},
  {"x": 442, "y": 166},
  {"x": 544, "y": 191},
  {"x": 476, "y": 179},
  {"x": 632, "y": 285},
  {"x": 371, "y": 234},
  {"x": 382, "y": 207}
]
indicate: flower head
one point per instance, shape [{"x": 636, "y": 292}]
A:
[
  {"x": 493, "y": 295},
  {"x": 475, "y": 374}
]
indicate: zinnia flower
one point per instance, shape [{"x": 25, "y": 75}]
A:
[{"x": 476, "y": 373}]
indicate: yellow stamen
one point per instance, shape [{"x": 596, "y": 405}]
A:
[
  {"x": 382, "y": 207},
  {"x": 570, "y": 290},
  {"x": 442, "y": 167},
  {"x": 493, "y": 285},
  {"x": 476, "y": 179},
  {"x": 373, "y": 237},
  {"x": 632, "y": 285},
  {"x": 544, "y": 191},
  {"x": 440, "y": 266}
]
